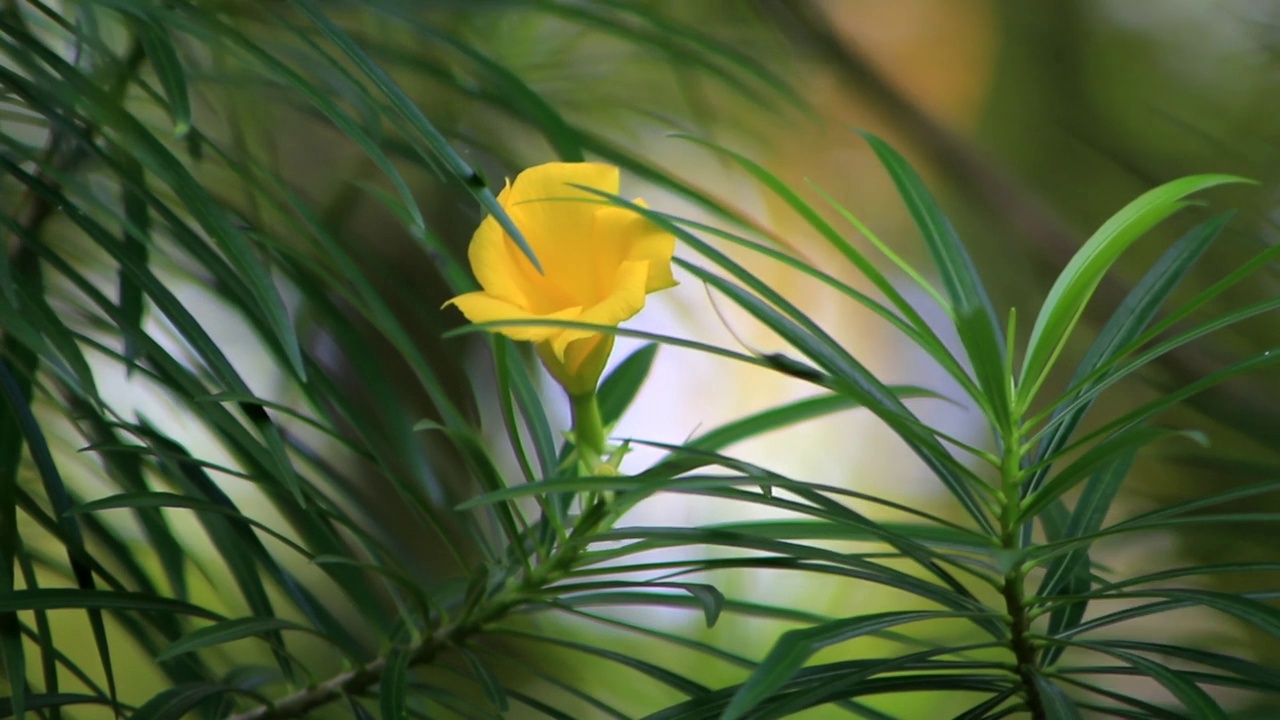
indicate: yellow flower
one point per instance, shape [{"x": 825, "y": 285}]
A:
[{"x": 598, "y": 264}]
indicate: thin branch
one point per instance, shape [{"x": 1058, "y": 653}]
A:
[
  {"x": 303, "y": 701},
  {"x": 472, "y": 621}
]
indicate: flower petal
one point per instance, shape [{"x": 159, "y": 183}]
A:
[
  {"x": 495, "y": 266},
  {"x": 639, "y": 238},
  {"x": 481, "y": 307},
  {"x": 625, "y": 300},
  {"x": 558, "y": 221}
]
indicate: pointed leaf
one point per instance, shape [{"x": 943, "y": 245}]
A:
[
  {"x": 622, "y": 384},
  {"x": 225, "y": 632},
  {"x": 973, "y": 314},
  {"x": 1075, "y": 285},
  {"x": 797, "y": 646}
]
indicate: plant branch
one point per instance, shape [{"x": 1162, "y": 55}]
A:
[
  {"x": 303, "y": 701},
  {"x": 472, "y": 621},
  {"x": 1013, "y": 591}
]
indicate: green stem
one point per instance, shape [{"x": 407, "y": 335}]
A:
[
  {"x": 588, "y": 428},
  {"x": 1013, "y": 589},
  {"x": 525, "y": 590}
]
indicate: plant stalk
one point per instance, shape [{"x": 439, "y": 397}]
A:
[
  {"x": 1013, "y": 590},
  {"x": 588, "y": 427},
  {"x": 354, "y": 682}
]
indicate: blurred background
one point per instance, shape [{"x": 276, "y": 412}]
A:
[{"x": 1032, "y": 122}]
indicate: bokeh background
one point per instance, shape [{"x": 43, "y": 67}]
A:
[{"x": 1032, "y": 122}]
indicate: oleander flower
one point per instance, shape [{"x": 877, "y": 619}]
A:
[{"x": 598, "y": 264}]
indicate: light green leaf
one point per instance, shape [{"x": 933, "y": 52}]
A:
[{"x": 1075, "y": 285}]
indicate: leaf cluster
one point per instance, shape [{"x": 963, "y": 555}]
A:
[{"x": 216, "y": 527}]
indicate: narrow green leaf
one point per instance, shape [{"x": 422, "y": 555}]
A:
[
  {"x": 621, "y": 385},
  {"x": 48, "y": 701},
  {"x": 539, "y": 706},
  {"x": 46, "y": 644},
  {"x": 359, "y": 710},
  {"x": 18, "y": 387},
  {"x": 127, "y": 129},
  {"x": 548, "y": 675},
  {"x": 1259, "y": 615},
  {"x": 834, "y": 682},
  {"x": 393, "y": 690},
  {"x": 974, "y": 315},
  {"x": 910, "y": 323},
  {"x": 31, "y": 323},
  {"x": 1070, "y": 574},
  {"x": 1142, "y": 710},
  {"x": 513, "y": 383},
  {"x": 436, "y": 145},
  {"x": 827, "y": 530},
  {"x": 175, "y": 702},
  {"x": 491, "y": 480},
  {"x": 984, "y": 709},
  {"x": 1057, "y": 706},
  {"x": 704, "y": 50},
  {"x": 237, "y": 545},
  {"x": 1249, "y": 569},
  {"x": 225, "y": 632},
  {"x": 711, "y": 599},
  {"x": 1130, "y": 318},
  {"x": 788, "y": 415},
  {"x": 1128, "y": 421},
  {"x": 126, "y": 469},
  {"x": 951, "y": 595},
  {"x": 675, "y": 681},
  {"x": 1261, "y": 675},
  {"x": 489, "y": 682},
  {"x": 1075, "y": 285},
  {"x": 65, "y": 598},
  {"x": 61, "y": 503},
  {"x": 824, "y": 680},
  {"x": 168, "y": 67},
  {"x": 459, "y": 703},
  {"x": 1127, "y": 440},
  {"x": 860, "y": 384},
  {"x": 1198, "y": 702},
  {"x": 797, "y": 646},
  {"x": 173, "y": 500},
  {"x": 498, "y": 82}
]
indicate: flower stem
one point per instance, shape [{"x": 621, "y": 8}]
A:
[{"x": 588, "y": 428}]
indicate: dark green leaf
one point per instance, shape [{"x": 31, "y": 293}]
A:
[
  {"x": 1070, "y": 574},
  {"x": 225, "y": 632},
  {"x": 175, "y": 702},
  {"x": 393, "y": 690},
  {"x": 168, "y": 67},
  {"x": 1057, "y": 706},
  {"x": 424, "y": 132},
  {"x": 489, "y": 682},
  {"x": 1071, "y": 292},
  {"x": 973, "y": 314},
  {"x": 621, "y": 385},
  {"x": 1198, "y": 702},
  {"x": 796, "y": 646},
  {"x": 61, "y": 598},
  {"x": 46, "y": 701},
  {"x": 1128, "y": 321}
]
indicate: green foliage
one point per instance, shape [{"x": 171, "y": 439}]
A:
[{"x": 293, "y": 507}]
